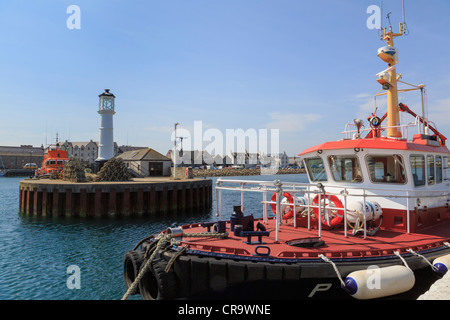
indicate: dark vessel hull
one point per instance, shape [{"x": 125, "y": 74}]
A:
[{"x": 195, "y": 274}]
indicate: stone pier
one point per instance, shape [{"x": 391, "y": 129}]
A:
[{"x": 139, "y": 197}]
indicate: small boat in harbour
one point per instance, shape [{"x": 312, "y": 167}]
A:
[
  {"x": 55, "y": 157},
  {"x": 373, "y": 221}
]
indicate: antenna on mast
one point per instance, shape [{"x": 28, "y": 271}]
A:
[
  {"x": 389, "y": 19},
  {"x": 404, "y": 27},
  {"x": 380, "y": 32}
]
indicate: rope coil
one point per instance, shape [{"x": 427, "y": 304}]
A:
[{"x": 165, "y": 241}]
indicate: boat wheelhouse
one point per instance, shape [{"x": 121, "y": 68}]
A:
[{"x": 408, "y": 177}]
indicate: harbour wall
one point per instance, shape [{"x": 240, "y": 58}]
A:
[
  {"x": 19, "y": 173},
  {"x": 242, "y": 172},
  {"x": 139, "y": 197}
]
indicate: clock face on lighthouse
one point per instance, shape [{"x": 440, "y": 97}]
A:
[{"x": 108, "y": 103}]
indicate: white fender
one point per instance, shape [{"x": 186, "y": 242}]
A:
[
  {"x": 442, "y": 264},
  {"x": 379, "y": 282}
]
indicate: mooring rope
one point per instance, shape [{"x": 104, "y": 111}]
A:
[
  {"x": 165, "y": 241},
  {"x": 421, "y": 256},
  {"x": 334, "y": 267},
  {"x": 397, "y": 253}
]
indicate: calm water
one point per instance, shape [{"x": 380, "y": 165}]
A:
[{"x": 35, "y": 252}]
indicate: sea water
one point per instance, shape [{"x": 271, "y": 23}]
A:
[{"x": 37, "y": 254}]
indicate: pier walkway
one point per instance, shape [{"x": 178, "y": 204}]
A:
[{"x": 440, "y": 290}]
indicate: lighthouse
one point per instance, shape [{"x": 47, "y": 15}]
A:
[{"x": 106, "y": 112}]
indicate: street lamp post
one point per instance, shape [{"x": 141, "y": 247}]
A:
[{"x": 175, "y": 153}]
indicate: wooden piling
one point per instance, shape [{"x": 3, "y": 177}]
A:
[
  {"x": 174, "y": 200},
  {"x": 183, "y": 198},
  {"x": 44, "y": 203},
  {"x": 112, "y": 205},
  {"x": 68, "y": 202},
  {"x": 152, "y": 201},
  {"x": 27, "y": 209},
  {"x": 126, "y": 202},
  {"x": 164, "y": 196},
  {"x": 140, "y": 201},
  {"x": 83, "y": 203},
  {"x": 55, "y": 203},
  {"x": 98, "y": 202}
]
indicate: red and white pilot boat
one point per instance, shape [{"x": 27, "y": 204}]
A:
[{"x": 373, "y": 221}]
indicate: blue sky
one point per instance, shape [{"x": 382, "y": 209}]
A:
[{"x": 304, "y": 67}]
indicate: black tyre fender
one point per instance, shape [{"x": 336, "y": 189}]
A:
[
  {"x": 132, "y": 263},
  {"x": 157, "y": 284}
]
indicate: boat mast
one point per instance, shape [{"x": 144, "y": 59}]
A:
[{"x": 389, "y": 55}]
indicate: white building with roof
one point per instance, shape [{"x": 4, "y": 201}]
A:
[{"x": 85, "y": 151}]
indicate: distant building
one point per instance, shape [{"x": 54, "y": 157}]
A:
[
  {"x": 192, "y": 158},
  {"x": 295, "y": 161},
  {"x": 146, "y": 162},
  {"x": 241, "y": 159},
  {"x": 85, "y": 151},
  {"x": 17, "y": 157},
  {"x": 281, "y": 159}
]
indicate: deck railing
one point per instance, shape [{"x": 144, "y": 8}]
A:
[
  {"x": 311, "y": 191},
  {"x": 350, "y": 133}
]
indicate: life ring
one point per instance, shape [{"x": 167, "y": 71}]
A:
[
  {"x": 290, "y": 213},
  {"x": 337, "y": 205}
]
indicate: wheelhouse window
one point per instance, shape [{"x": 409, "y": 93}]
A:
[
  {"x": 430, "y": 169},
  {"x": 438, "y": 169},
  {"x": 386, "y": 169},
  {"x": 418, "y": 170},
  {"x": 345, "y": 168},
  {"x": 316, "y": 169},
  {"x": 445, "y": 168}
]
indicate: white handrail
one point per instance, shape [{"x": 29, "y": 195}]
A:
[
  {"x": 279, "y": 188},
  {"x": 348, "y": 132}
]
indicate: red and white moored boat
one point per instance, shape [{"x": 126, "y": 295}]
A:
[{"x": 373, "y": 221}]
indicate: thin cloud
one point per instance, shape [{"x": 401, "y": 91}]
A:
[
  {"x": 439, "y": 112},
  {"x": 292, "y": 122}
]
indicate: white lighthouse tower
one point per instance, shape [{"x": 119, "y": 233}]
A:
[{"x": 106, "y": 112}]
